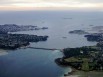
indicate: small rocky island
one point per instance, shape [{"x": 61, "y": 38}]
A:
[
  {"x": 78, "y": 32},
  {"x": 14, "y": 41},
  {"x": 95, "y": 37}
]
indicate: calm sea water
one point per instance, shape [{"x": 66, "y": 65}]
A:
[{"x": 40, "y": 63}]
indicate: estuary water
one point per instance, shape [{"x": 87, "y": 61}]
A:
[{"x": 40, "y": 63}]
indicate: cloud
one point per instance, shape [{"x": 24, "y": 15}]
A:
[
  {"x": 18, "y": 1},
  {"x": 91, "y": 1},
  {"x": 52, "y": 3}
]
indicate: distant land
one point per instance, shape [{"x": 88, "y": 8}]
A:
[
  {"x": 78, "y": 32},
  {"x": 14, "y": 28},
  {"x": 67, "y": 18},
  {"x": 97, "y": 28}
]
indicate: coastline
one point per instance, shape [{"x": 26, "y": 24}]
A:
[
  {"x": 72, "y": 73},
  {"x": 80, "y": 73}
]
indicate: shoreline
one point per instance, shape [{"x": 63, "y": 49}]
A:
[
  {"x": 79, "y": 73},
  {"x": 71, "y": 73},
  {"x": 3, "y": 52}
]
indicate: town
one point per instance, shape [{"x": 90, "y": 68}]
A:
[
  {"x": 6, "y": 28},
  {"x": 14, "y": 41}
]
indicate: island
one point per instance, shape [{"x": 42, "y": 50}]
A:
[
  {"x": 14, "y": 41},
  {"x": 78, "y": 32},
  {"x": 95, "y": 37}
]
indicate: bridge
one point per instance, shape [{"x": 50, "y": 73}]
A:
[{"x": 45, "y": 48}]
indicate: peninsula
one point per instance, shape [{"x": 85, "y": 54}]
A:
[
  {"x": 13, "y": 41},
  {"x": 86, "y": 58}
]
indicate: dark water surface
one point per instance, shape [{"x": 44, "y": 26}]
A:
[{"x": 30, "y": 63}]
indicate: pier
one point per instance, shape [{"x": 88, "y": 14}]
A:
[{"x": 44, "y": 48}]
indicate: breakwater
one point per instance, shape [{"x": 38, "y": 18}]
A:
[{"x": 44, "y": 48}]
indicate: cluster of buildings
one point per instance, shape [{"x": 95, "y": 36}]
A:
[
  {"x": 14, "y": 28},
  {"x": 13, "y": 41}
]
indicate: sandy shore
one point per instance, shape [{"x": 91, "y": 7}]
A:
[
  {"x": 86, "y": 74},
  {"x": 3, "y": 52},
  {"x": 77, "y": 73}
]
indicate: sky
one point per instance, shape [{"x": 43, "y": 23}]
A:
[{"x": 50, "y": 4}]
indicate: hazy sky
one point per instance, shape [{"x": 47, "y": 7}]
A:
[{"x": 55, "y": 4}]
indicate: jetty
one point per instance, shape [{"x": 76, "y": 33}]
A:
[{"x": 44, "y": 48}]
